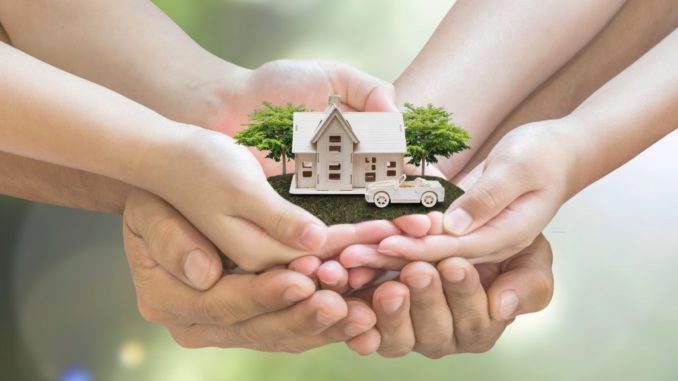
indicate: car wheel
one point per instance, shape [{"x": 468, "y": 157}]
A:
[
  {"x": 429, "y": 199},
  {"x": 381, "y": 199}
]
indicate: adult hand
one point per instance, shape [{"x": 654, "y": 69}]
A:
[
  {"x": 177, "y": 273},
  {"x": 298, "y": 82},
  {"x": 455, "y": 307}
]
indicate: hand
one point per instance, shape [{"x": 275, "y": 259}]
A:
[
  {"x": 522, "y": 184},
  {"x": 178, "y": 278},
  {"x": 456, "y": 308},
  {"x": 298, "y": 82}
]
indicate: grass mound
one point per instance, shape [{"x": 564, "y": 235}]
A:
[{"x": 340, "y": 209}]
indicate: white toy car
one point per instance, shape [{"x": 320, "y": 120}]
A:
[{"x": 399, "y": 191}]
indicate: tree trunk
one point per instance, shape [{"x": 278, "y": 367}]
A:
[
  {"x": 284, "y": 163},
  {"x": 423, "y": 167}
]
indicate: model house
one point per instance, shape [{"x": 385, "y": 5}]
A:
[{"x": 344, "y": 151}]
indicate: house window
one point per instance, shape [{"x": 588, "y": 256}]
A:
[
  {"x": 307, "y": 173},
  {"x": 367, "y": 160},
  {"x": 391, "y": 172},
  {"x": 374, "y": 167},
  {"x": 335, "y": 148},
  {"x": 335, "y": 139},
  {"x": 306, "y": 164},
  {"x": 335, "y": 167},
  {"x": 335, "y": 176},
  {"x": 370, "y": 176},
  {"x": 374, "y": 160},
  {"x": 391, "y": 164}
]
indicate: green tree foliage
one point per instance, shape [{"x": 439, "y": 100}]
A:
[
  {"x": 429, "y": 133},
  {"x": 271, "y": 130}
]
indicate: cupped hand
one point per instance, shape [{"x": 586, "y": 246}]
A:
[
  {"x": 514, "y": 194},
  {"x": 454, "y": 307},
  {"x": 306, "y": 82},
  {"x": 181, "y": 283}
]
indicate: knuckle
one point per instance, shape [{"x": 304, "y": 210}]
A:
[
  {"x": 222, "y": 312},
  {"x": 486, "y": 199},
  {"x": 481, "y": 346},
  {"x": 432, "y": 350},
  {"x": 241, "y": 335},
  {"x": 162, "y": 231}
]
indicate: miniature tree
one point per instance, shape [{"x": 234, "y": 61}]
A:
[
  {"x": 271, "y": 130},
  {"x": 430, "y": 133}
]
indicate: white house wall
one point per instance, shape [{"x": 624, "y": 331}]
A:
[
  {"x": 303, "y": 180},
  {"x": 329, "y": 157},
  {"x": 361, "y": 167}
]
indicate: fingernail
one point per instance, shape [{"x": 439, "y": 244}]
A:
[
  {"x": 197, "y": 267},
  {"x": 313, "y": 237},
  {"x": 419, "y": 281},
  {"x": 392, "y": 305},
  {"x": 294, "y": 294},
  {"x": 454, "y": 274},
  {"x": 353, "y": 330},
  {"x": 457, "y": 221},
  {"x": 324, "y": 318},
  {"x": 508, "y": 304}
]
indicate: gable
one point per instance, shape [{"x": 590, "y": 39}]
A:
[{"x": 333, "y": 115}]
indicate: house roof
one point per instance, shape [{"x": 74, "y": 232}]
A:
[
  {"x": 375, "y": 132},
  {"x": 333, "y": 112}
]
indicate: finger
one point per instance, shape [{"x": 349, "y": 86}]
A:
[
  {"x": 474, "y": 331},
  {"x": 496, "y": 188},
  {"x": 172, "y": 242},
  {"x": 526, "y": 283},
  {"x": 368, "y": 232},
  {"x": 251, "y": 247},
  {"x": 306, "y": 265},
  {"x": 307, "y": 318},
  {"x": 431, "y": 317},
  {"x": 414, "y": 225},
  {"x": 240, "y": 297},
  {"x": 365, "y": 344},
  {"x": 283, "y": 221},
  {"x": 359, "y": 319},
  {"x": 333, "y": 276},
  {"x": 391, "y": 303},
  {"x": 507, "y": 234},
  {"x": 368, "y": 256},
  {"x": 360, "y": 90},
  {"x": 360, "y": 276}
]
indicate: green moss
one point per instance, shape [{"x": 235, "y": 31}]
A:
[{"x": 337, "y": 209}]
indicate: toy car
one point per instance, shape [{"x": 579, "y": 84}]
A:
[{"x": 399, "y": 191}]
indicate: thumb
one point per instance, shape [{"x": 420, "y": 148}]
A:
[
  {"x": 285, "y": 222},
  {"x": 494, "y": 190},
  {"x": 171, "y": 241},
  {"x": 364, "y": 92},
  {"x": 525, "y": 285}
]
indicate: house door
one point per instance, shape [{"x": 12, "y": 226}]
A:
[{"x": 335, "y": 177}]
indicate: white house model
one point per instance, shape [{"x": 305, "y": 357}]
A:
[{"x": 342, "y": 152}]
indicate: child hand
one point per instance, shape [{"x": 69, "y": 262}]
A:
[{"x": 522, "y": 184}]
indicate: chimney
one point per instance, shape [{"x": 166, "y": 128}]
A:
[{"x": 334, "y": 100}]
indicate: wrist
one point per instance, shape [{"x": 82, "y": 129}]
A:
[
  {"x": 156, "y": 163},
  {"x": 208, "y": 99},
  {"x": 575, "y": 136}
]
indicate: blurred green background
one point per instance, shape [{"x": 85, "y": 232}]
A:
[{"x": 67, "y": 307}]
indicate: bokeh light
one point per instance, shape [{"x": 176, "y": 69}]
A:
[
  {"x": 75, "y": 374},
  {"x": 132, "y": 354}
]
